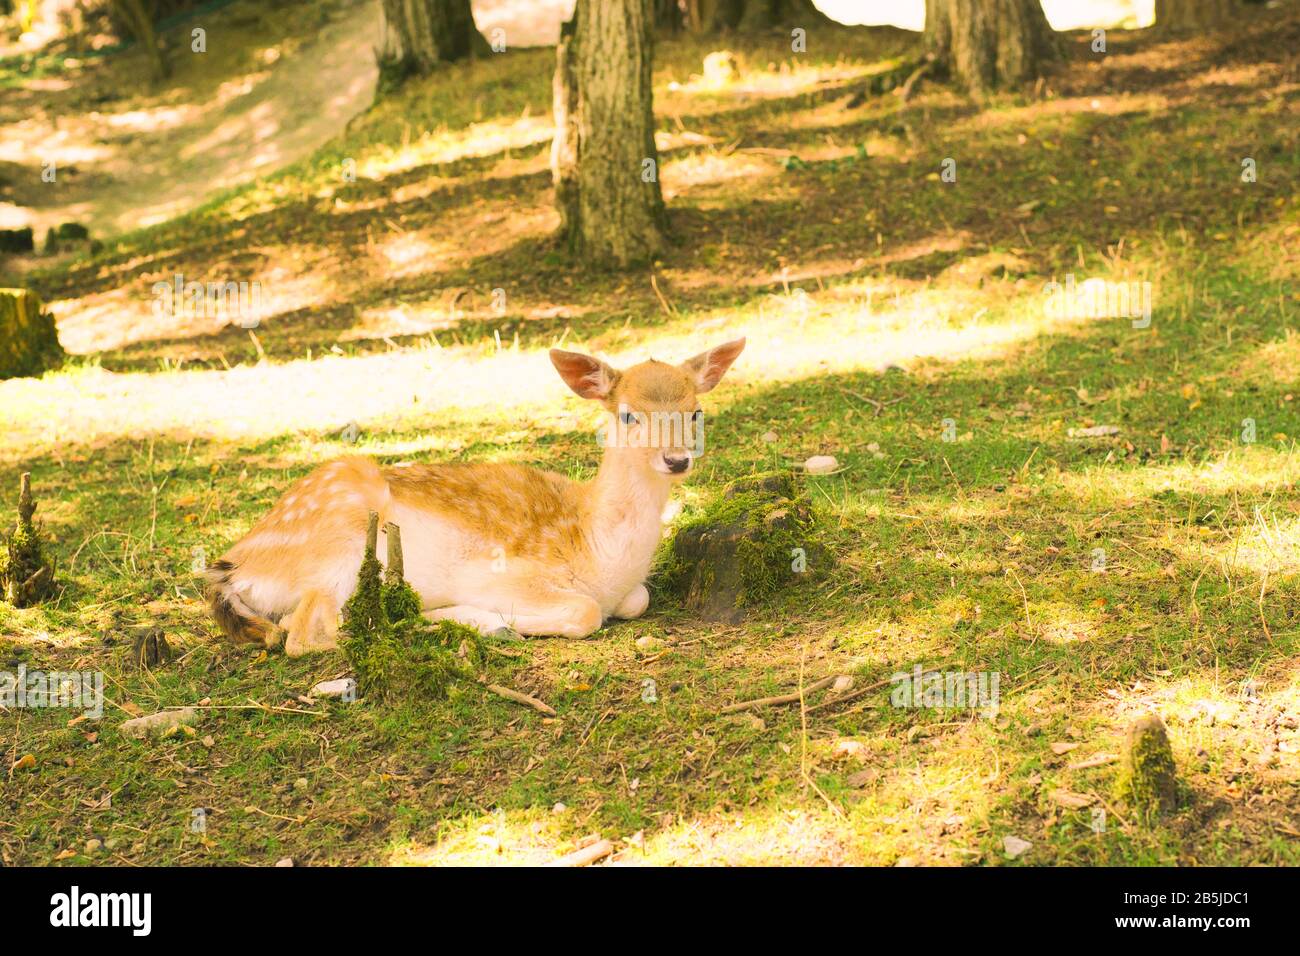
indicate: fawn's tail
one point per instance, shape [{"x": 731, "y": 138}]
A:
[{"x": 241, "y": 623}]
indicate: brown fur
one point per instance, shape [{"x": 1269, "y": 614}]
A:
[{"x": 571, "y": 553}]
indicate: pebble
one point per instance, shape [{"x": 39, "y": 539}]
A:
[
  {"x": 820, "y": 464},
  {"x": 1015, "y": 846},
  {"x": 334, "y": 688}
]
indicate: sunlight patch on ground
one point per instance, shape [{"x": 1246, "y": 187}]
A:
[
  {"x": 755, "y": 837},
  {"x": 792, "y": 335},
  {"x": 150, "y": 310},
  {"x": 1277, "y": 361},
  {"x": 1246, "y": 470},
  {"x": 1269, "y": 545},
  {"x": 757, "y": 81},
  {"x": 711, "y": 168},
  {"x": 447, "y": 146}
]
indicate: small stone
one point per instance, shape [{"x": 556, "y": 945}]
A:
[
  {"x": 648, "y": 643},
  {"x": 821, "y": 464},
  {"x": 559, "y": 808},
  {"x": 842, "y": 683},
  {"x": 334, "y": 688},
  {"x": 284, "y": 861},
  {"x": 158, "y": 723},
  {"x": 1014, "y": 846}
]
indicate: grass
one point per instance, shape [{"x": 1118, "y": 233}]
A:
[{"x": 896, "y": 321}]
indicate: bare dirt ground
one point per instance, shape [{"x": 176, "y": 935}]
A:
[{"x": 271, "y": 87}]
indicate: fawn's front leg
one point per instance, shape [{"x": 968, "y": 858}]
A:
[
  {"x": 313, "y": 626},
  {"x": 634, "y": 603}
]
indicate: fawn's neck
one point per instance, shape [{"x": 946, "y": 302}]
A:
[{"x": 627, "y": 505}]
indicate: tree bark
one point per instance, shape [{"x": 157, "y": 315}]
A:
[
  {"x": 29, "y": 342},
  {"x": 1185, "y": 16},
  {"x": 603, "y": 158},
  {"x": 762, "y": 14},
  {"x": 139, "y": 21},
  {"x": 712, "y": 16},
  {"x": 668, "y": 15},
  {"x": 420, "y": 34},
  {"x": 984, "y": 44}
]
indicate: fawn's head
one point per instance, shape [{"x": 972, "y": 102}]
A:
[{"x": 654, "y": 414}]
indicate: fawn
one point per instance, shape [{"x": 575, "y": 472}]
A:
[{"x": 489, "y": 545}]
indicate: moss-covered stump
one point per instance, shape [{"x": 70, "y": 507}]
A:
[
  {"x": 759, "y": 539},
  {"x": 16, "y": 240},
  {"x": 66, "y": 236},
  {"x": 26, "y": 572},
  {"x": 1147, "y": 779},
  {"x": 393, "y": 649},
  {"x": 150, "y": 649},
  {"x": 29, "y": 343}
]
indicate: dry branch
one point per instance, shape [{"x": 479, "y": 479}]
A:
[
  {"x": 518, "y": 698},
  {"x": 792, "y": 698},
  {"x": 585, "y": 856}
]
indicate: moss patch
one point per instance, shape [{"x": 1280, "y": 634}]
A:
[
  {"x": 394, "y": 651},
  {"x": 1147, "y": 780},
  {"x": 29, "y": 342},
  {"x": 26, "y": 574},
  {"x": 756, "y": 541}
]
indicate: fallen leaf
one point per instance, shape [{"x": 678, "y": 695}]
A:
[{"x": 1071, "y": 800}]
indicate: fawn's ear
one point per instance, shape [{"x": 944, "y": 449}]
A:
[
  {"x": 707, "y": 368},
  {"x": 588, "y": 377}
]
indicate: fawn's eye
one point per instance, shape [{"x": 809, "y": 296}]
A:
[{"x": 627, "y": 418}]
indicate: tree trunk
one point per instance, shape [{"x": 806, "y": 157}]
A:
[
  {"x": 603, "y": 157},
  {"x": 29, "y": 343},
  {"x": 668, "y": 15},
  {"x": 419, "y": 34},
  {"x": 984, "y": 44},
  {"x": 139, "y": 21},
  {"x": 1186, "y": 16},
  {"x": 712, "y": 16},
  {"x": 762, "y": 14}
]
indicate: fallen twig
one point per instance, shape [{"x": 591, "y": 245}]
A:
[
  {"x": 1098, "y": 760},
  {"x": 779, "y": 699},
  {"x": 845, "y": 698},
  {"x": 875, "y": 403},
  {"x": 518, "y": 698},
  {"x": 587, "y": 855}
]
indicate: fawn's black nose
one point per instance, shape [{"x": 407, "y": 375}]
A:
[{"x": 676, "y": 464}]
